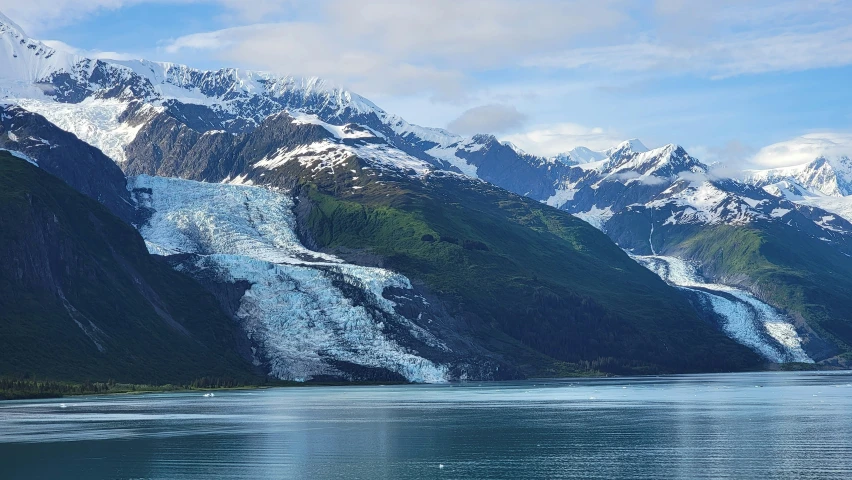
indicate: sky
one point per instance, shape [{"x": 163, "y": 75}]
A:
[{"x": 747, "y": 82}]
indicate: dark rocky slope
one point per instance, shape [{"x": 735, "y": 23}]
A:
[
  {"x": 81, "y": 298},
  {"x": 83, "y": 167}
]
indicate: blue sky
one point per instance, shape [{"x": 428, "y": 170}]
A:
[{"x": 754, "y": 82}]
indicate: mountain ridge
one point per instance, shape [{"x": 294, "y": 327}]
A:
[{"x": 248, "y": 128}]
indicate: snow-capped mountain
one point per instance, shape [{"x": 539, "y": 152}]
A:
[
  {"x": 582, "y": 155},
  {"x": 259, "y": 129},
  {"x": 107, "y": 103},
  {"x": 821, "y": 176},
  {"x": 578, "y": 155},
  {"x": 660, "y": 204},
  {"x": 824, "y": 184},
  {"x": 666, "y": 186}
]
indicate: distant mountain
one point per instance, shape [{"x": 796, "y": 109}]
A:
[
  {"x": 822, "y": 176},
  {"x": 582, "y": 155},
  {"x": 664, "y": 202},
  {"x": 823, "y": 183}
]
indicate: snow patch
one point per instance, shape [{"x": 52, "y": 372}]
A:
[
  {"x": 562, "y": 196},
  {"x": 840, "y": 206},
  {"x": 596, "y": 217}
]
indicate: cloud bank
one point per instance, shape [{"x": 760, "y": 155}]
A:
[{"x": 488, "y": 119}]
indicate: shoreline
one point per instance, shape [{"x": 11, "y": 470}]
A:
[{"x": 48, "y": 389}]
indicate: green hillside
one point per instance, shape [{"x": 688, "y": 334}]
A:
[
  {"x": 532, "y": 272},
  {"x": 803, "y": 275}
]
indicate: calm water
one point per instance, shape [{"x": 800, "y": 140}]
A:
[{"x": 767, "y": 425}]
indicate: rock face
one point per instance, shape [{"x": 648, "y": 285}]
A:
[
  {"x": 83, "y": 300},
  {"x": 166, "y": 147},
  {"x": 60, "y": 153}
]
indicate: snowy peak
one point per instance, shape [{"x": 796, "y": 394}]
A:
[
  {"x": 514, "y": 147},
  {"x": 582, "y": 155},
  {"x": 25, "y": 60},
  {"x": 585, "y": 155},
  {"x": 236, "y": 100},
  {"x": 626, "y": 148},
  {"x": 821, "y": 176},
  {"x": 229, "y": 85},
  {"x": 7, "y": 25},
  {"x": 667, "y": 162}
]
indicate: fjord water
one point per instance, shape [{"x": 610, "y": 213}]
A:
[{"x": 754, "y": 425}]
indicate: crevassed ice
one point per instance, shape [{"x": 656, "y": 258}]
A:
[
  {"x": 746, "y": 319},
  {"x": 293, "y": 311},
  {"x": 95, "y": 121}
]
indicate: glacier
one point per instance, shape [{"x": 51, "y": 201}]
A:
[
  {"x": 746, "y": 319},
  {"x": 97, "y": 122},
  {"x": 296, "y": 315}
]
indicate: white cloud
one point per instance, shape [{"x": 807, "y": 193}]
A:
[
  {"x": 257, "y": 10},
  {"x": 59, "y": 45},
  {"x": 492, "y": 119},
  {"x": 643, "y": 179},
  {"x": 737, "y": 55},
  {"x": 549, "y": 140},
  {"x": 208, "y": 40},
  {"x": 36, "y": 16},
  {"x": 803, "y": 149},
  {"x": 733, "y": 154},
  {"x": 722, "y": 38},
  {"x": 404, "y": 46},
  {"x": 304, "y": 49},
  {"x": 42, "y": 15},
  {"x": 437, "y": 48}
]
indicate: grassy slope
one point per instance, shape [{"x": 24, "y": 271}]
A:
[
  {"x": 103, "y": 269},
  {"x": 546, "y": 278},
  {"x": 794, "y": 272}
]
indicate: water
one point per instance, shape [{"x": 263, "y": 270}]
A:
[{"x": 763, "y": 425}]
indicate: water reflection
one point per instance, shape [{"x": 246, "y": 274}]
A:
[{"x": 778, "y": 425}]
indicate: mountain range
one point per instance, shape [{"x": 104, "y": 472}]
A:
[{"x": 343, "y": 242}]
